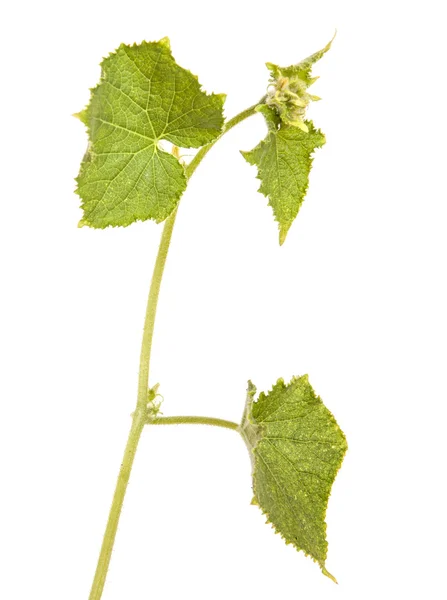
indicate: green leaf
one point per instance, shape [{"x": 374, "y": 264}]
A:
[
  {"x": 143, "y": 97},
  {"x": 302, "y": 69},
  {"x": 284, "y": 160},
  {"x": 296, "y": 448}
]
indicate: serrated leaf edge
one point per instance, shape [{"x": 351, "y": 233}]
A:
[
  {"x": 249, "y": 157},
  {"x": 82, "y": 116},
  {"x": 255, "y": 501}
]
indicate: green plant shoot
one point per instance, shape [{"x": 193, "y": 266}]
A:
[{"x": 143, "y": 102}]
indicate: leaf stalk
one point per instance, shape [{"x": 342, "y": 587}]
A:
[{"x": 194, "y": 421}]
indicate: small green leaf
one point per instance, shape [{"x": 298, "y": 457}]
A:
[
  {"x": 302, "y": 69},
  {"x": 284, "y": 160},
  {"x": 296, "y": 448},
  {"x": 143, "y": 97}
]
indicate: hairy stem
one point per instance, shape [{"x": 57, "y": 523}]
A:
[
  {"x": 194, "y": 421},
  {"x": 140, "y": 415},
  {"x": 228, "y": 125},
  {"x": 151, "y": 310},
  {"x": 138, "y": 422}
]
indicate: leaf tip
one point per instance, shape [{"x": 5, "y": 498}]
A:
[
  {"x": 82, "y": 223},
  {"x": 329, "y": 44},
  {"x": 283, "y": 231},
  {"x": 251, "y": 388},
  {"x": 248, "y": 155},
  {"x": 166, "y": 42},
  {"x": 81, "y": 115},
  {"x": 222, "y": 98},
  {"x": 326, "y": 572}
]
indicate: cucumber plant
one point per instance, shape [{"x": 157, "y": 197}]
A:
[{"x": 143, "y": 100}]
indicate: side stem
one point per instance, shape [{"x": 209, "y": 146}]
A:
[
  {"x": 194, "y": 421},
  {"x": 140, "y": 415}
]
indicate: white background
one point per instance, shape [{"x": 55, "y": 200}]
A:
[{"x": 356, "y": 298}]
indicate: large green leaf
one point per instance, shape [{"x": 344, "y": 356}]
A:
[
  {"x": 143, "y": 97},
  {"x": 296, "y": 448}
]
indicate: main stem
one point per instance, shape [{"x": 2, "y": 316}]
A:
[{"x": 140, "y": 416}]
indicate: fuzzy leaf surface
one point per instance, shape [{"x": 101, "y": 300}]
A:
[
  {"x": 284, "y": 159},
  {"x": 296, "y": 448},
  {"x": 143, "y": 97}
]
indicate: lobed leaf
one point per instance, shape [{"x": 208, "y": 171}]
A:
[
  {"x": 296, "y": 448},
  {"x": 143, "y": 97}
]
